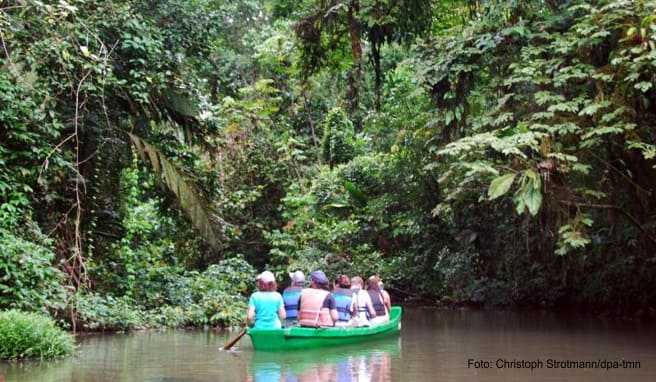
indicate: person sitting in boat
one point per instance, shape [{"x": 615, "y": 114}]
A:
[
  {"x": 291, "y": 296},
  {"x": 378, "y": 301},
  {"x": 317, "y": 305},
  {"x": 266, "y": 309},
  {"x": 361, "y": 307},
  {"x": 343, "y": 300},
  {"x": 386, "y": 297}
]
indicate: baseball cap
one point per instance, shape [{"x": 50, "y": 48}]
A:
[{"x": 319, "y": 277}]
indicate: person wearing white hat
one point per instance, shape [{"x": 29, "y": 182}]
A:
[
  {"x": 291, "y": 296},
  {"x": 266, "y": 309}
]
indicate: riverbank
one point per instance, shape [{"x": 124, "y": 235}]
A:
[{"x": 156, "y": 322}]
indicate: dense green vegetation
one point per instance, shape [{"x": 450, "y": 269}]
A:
[
  {"x": 155, "y": 154},
  {"x": 31, "y": 335}
]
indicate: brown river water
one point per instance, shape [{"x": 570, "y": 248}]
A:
[{"x": 434, "y": 345}]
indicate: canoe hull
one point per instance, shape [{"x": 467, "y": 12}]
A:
[{"x": 309, "y": 338}]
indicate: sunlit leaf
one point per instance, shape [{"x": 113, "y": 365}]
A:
[{"x": 500, "y": 185}]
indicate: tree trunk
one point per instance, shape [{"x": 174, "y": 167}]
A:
[
  {"x": 378, "y": 73},
  {"x": 355, "y": 76}
]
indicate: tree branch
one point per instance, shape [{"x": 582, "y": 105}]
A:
[{"x": 633, "y": 220}]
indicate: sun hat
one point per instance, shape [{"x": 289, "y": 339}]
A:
[
  {"x": 297, "y": 277},
  {"x": 266, "y": 277}
]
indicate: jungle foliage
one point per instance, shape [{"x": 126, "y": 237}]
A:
[
  {"x": 31, "y": 335},
  {"x": 154, "y": 155}
]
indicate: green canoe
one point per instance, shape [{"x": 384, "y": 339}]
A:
[{"x": 307, "y": 338}]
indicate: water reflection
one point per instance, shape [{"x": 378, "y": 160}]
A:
[{"x": 367, "y": 362}]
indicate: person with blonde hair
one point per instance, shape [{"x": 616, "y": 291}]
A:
[
  {"x": 378, "y": 300},
  {"x": 362, "y": 308},
  {"x": 386, "y": 297}
]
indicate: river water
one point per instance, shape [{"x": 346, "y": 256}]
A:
[{"x": 434, "y": 345}]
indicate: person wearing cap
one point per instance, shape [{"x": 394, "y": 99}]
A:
[
  {"x": 266, "y": 308},
  {"x": 317, "y": 306},
  {"x": 291, "y": 296}
]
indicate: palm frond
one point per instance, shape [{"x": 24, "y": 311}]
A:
[{"x": 191, "y": 201}]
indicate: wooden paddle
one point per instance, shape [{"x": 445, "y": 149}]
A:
[{"x": 232, "y": 343}]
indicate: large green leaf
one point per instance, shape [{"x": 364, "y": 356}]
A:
[
  {"x": 529, "y": 194},
  {"x": 500, "y": 185},
  {"x": 533, "y": 201},
  {"x": 355, "y": 192},
  {"x": 533, "y": 194}
]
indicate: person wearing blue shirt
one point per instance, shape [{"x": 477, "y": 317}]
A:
[
  {"x": 292, "y": 296},
  {"x": 266, "y": 309},
  {"x": 343, "y": 300}
]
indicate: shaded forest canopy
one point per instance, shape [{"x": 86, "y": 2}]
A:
[{"x": 155, "y": 154}]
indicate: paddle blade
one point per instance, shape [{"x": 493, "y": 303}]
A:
[{"x": 232, "y": 343}]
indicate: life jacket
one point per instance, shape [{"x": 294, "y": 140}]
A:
[
  {"x": 290, "y": 296},
  {"x": 343, "y": 298},
  {"x": 362, "y": 312},
  {"x": 377, "y": 301},
  {"x": 312, "y": 313}
]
